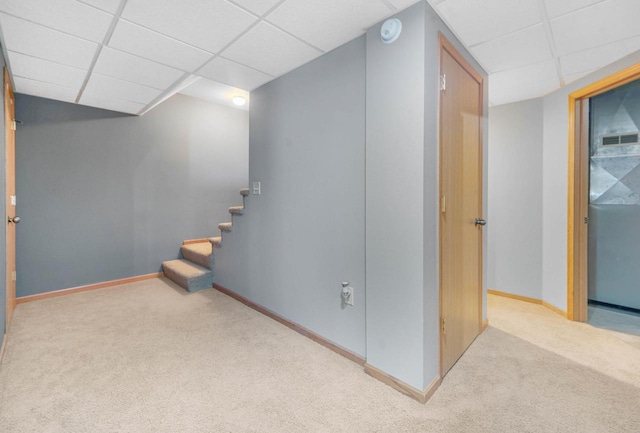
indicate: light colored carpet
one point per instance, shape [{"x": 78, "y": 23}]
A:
[{"x": 149, "y": 357}]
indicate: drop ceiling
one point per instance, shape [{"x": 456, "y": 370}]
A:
[{"x": 130, "y": 55}]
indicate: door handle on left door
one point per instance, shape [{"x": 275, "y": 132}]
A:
[
  {"x": 480, "y": 222},
  {"x": 15, "y": 219}
]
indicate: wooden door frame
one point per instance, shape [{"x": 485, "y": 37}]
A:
[
  {"x": 445, "y": 45},
  {"x": 577, "y": 206},
  {"x": 8, "y": 130}
]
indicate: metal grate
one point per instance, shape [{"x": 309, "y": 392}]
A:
[{"x": 609, "y": 140}]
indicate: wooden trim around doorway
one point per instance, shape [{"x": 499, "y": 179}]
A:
[
  {"x": 578, "y": 180},
  {"x": 445, "y": 45}
]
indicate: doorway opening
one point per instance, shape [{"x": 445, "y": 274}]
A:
[{"x": 592, "y": 155}]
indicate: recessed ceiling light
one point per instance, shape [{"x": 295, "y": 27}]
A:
[{"x": 239, "y": 100}]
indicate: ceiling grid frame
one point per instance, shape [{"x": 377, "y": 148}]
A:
[{"x": 513, "y": 81}]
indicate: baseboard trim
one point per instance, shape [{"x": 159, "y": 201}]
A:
[
  {"x": 195, "y": 241},
  {"x": 4, "y": 342},
  {"x": 516, "y": 297},
  {"x": 291, "y": 325},
  {"x": 554, "y": 309},
  {"x": 86, "y": 288},
  {"x": 405, "y": 388},
  {"x": 527, "y": 299}
]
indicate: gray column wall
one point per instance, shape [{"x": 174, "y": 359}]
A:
[
  {"x": 402, "y": 196},
  {"x": 104, "y": 196},
  {"x": 515, "y": 199},
  {"x": 395, "y": 199},
  {"x": 3, "y": 212},
  {"x": 304, "y": 234}
]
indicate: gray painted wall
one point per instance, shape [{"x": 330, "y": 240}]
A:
[
  {"x": 554, "y": 183},
  {"x": 515, "y": 198},
  {"x": 395, "y": 199},
  {"x": 104, "y": 196},
  {"x": 305, "y": 234},
  {"x": 3, "y": 211},
  {"x": 402, "y": 196},
  {"x": 614, "y": 249}
]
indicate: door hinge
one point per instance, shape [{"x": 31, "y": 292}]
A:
[
  {"x": 444, "y": 328},
  {"x": 443, "y": 204},
  {"x": 586, "y": 220},
  {"x": 13, "y": 276},
  {"x": 13, "y": 125},
  {"x": 443, "y": 82}
]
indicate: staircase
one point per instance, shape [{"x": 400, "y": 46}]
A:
[{"x": 195, "y": 270}]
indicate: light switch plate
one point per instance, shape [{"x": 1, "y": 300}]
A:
[{"x": 256, "y": 188}]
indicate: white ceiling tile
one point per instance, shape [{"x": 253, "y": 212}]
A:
[
  {"x": 270, "y": 50},
  {"x": 44, "y": 90},
  {"x": 118, "y": 64},
  {"x": 597, "y": 25},
  {"x": 46, "y": 71},
  {"x": 556, "y": 8},
  {"x": 38, "y": 41},
  {"x": 482, "y": 20},
  {"x": 103, "y": 85},
  {"x": 108, "y": 102},
  {"x": 233, "y": 74},
  {"x": 516, "y": 49},
  {"x": 258, "y": 7},
  {"x": 68, "y": 16},
  {"x": 403, "y": 4},
  {"x": 110, "y": 6},
  {"x": 219, "y": 93},
  {"x": 595, "y": 58},
  {"x": 328, "y": 24},
  {"x": 153, "y": 46},
  {"x": 523, "y": 83},
  {"x": 514, "y": 93},
  {"x": 206, "y": 24},
  {"x": 570, "y": 78}
]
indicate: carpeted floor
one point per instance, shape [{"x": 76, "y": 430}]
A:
[{"x": 148, "y": 357}]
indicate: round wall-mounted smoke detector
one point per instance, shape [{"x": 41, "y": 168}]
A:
[{"x": 391, "y": 30}]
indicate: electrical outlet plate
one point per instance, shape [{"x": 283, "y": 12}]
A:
[
  {"x": 256, "y": 188},
  {"x": 349, "y": 300}
]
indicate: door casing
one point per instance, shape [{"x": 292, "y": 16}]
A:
[
  {"x": 578, "y": 190},
  {"x": 447, "y": 47},
  {"x": 10, "y": 247}
]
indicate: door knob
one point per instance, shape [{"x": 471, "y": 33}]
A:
[
  {"x": 481, "y": 222},
  {"x": 15, "y": 219}
]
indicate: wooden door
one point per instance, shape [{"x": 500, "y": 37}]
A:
[
  {"x": 460, "y": 205},
  {"x": 10, "y": 135}
]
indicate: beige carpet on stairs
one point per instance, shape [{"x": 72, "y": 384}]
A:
[{"x": 150, "y": 357}]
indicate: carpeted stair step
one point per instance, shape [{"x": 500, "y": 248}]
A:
[
  {"x": 225, "y": 227},
  {"x": 200, "y": 254},
  {"x": 244, "y": 192},
  {"x": 188, "y": 275},
  {"x": 236, "y": 210},
  {"x": 216, "y": 242}
]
